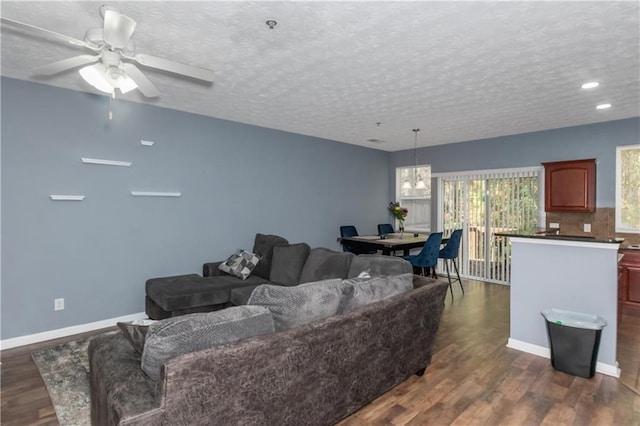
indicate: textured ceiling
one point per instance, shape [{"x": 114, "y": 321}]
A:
[{"x": 457, "y": 70}]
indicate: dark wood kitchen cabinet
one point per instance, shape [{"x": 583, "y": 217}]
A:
[
  {"x": 629, "y": 282},
  {"x": 570, "y": 186}
]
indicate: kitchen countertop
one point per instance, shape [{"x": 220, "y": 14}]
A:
[{"x": 562, "y": 238}]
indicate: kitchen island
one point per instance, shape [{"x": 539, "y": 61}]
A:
[{"x": 572, "y": 273}]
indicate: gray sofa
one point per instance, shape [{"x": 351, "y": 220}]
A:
[
  {"x": 281, "y": 264},
  {"x": 311, "y": 374}
]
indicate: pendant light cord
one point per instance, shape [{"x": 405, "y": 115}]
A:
[{"x": 415, "y": 156}]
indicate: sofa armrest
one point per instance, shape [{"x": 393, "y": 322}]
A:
[
  {"x": 120, "y": 391},
  {"x": 211, "y": 269},
  {"x": 421, "y": 281}
]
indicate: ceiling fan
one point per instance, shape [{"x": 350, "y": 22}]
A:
[{"x": 111, "y": 65}]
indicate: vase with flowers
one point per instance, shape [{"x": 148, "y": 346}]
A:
[{"x": 399, "y": 213}]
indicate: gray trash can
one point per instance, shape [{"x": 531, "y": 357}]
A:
[{"x": 574, "y": 339}]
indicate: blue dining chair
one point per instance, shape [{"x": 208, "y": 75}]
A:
[
  {"x": 450, "y": 253},
  {"x": 347, "y": 231},
  {"x": 385, "y": 228},
  {"x": 428, "y": 256}
]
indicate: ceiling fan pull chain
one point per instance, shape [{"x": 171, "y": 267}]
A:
[{"x": 111, "y": 97}]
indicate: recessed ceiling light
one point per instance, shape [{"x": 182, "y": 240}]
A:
[
  {"x": 590, "y": 85},
  {"x": 603, "y": 106}
]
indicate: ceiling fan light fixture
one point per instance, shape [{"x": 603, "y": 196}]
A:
[
  {"x": 96, "y": 76},
  {"x": 118, "y": 79},
  {"x": 127, "y": 85}
]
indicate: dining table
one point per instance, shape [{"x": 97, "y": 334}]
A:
[{"x": 388, "y": 243}]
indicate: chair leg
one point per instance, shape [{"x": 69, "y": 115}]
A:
[
  {"x": 446, "y": 264},
  {"x": 423, "y": 271},
  {"x": 455, "y": 265}
]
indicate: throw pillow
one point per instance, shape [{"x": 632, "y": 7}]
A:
[
  {"x": 263, "y": 247},
  {"x": 359, "y": 292},
  {"x": 136, "y": 332},
  {"x": 287, "y": 263},
  {"x": 171, "y": 337},
  {"x": 323, "y": 264},
  {"x": 300, "y": 304},
  {"x": 240, "y": 264}
]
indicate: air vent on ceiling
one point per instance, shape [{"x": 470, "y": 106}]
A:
[{"x": 375, "y": 141}]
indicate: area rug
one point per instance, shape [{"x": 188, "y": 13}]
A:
[{"x": 65, "y": 371}]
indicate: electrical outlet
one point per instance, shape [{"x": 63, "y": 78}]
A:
[
  {"x": 58, "y": 304},
  {"x": 554, "y": 225},
  {"x": 587, "y": 227}
]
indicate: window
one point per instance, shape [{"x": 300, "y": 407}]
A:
[
  {"x": 628, "y": 189},
  {"x": 414, "y": 197}
]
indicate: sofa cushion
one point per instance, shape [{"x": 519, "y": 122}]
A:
[
  {"x": 240, "y": 264},
  {"x": 359, "y": 292},
  {"x": 300, "y": 304},
  {"x": 379, "y": 266},
  {"x": 240, "y": 296},
  {"x": 169, "y": 338},
  {"x": 323, "y": 264},
  {"x": 263, "y": 247},
  {"x": 136, "y": 332},
  {"x": 287, "y": 263}
]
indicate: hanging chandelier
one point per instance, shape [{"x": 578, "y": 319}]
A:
[{"x": 418, "y": 182}]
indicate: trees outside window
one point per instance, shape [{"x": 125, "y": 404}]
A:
[{"x": 628, "y": 189}]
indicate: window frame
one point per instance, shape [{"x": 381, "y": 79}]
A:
[
  {"x": 426, "y": 198},
  {"x": 619, "y": 226}
]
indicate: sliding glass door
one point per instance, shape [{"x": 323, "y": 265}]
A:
[{"x": 483, "y": 204}]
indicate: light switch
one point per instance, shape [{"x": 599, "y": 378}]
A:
[{"x": 587, "y": 227}]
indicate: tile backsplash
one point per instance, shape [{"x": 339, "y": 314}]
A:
[{"x": 603, "y": 225}]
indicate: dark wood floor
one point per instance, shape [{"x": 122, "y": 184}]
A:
[{"x": 474, "y": 378}]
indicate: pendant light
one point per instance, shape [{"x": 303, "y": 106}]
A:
[
  {"x": 406, "y": 184},
  {"x": 419, "y": 182}
]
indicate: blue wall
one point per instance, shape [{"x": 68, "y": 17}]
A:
[
  {"x": 530, "y": 149},
  {"x": 235, "y": 180}
]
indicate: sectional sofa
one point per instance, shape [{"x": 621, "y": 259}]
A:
[
  {"x": 362, "y": 342},
  {"x": 281, "y": 263}
]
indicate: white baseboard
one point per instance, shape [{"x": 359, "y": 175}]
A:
[
  {"x": 529, "y": 348},
  {"x": 67, "y": 331},
  {"x": 608, "y": 369}
]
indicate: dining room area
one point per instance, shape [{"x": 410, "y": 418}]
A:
[{"x": 424, "y": 250}]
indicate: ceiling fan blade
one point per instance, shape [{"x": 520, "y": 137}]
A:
[
  {"x": 174, "y": 67},
  {"x": 145, "y": 86},
  {"x": 118, "y": 29},
  {"x": 48, "y": 33},
  {"x": 65, "y": 64}
]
